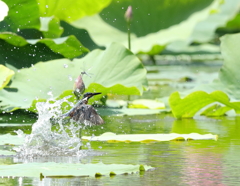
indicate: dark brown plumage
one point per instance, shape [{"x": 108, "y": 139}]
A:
[{"x": 83, "y": 113}]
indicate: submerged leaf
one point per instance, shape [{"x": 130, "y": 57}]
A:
[
  {"x": 147, "y": 138},
  {"x": 66, "y": 169}
]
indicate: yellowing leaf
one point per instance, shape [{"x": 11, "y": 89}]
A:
[{"x": 5, "y": 76}]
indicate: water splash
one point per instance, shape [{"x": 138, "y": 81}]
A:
[{"x": 45, "y": 141}]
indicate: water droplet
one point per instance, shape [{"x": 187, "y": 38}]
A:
[
  {"x": 65, "y": 66},
  {"x": 70, "y": 78},
  {"x": 46, "y": 6},
  {"x": 50, "y": 93}
]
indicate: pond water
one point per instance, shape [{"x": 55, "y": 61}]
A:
[{"x": 195, "y": 162}]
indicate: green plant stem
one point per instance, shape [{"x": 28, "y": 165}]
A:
[{"x": 129, "y": 35}]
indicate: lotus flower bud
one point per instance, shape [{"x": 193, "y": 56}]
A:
[
  {"x": 79, "y": 86},
  {"x": 128, "y": 14}
]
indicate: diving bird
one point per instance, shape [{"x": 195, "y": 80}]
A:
[{"x": 84, "y": 113}]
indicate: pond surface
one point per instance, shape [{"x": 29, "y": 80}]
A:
[{"x": 195, "y": 162}]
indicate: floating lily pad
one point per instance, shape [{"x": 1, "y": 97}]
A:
[
  {"x": 147, "y": 138},
  {"x": 8, "y": 139},
  {"x": 6, "y": 152},
  {"x": 146, "y": 103},
  {"x": 128, "y": 111},
  {"x": 66, "y": 169}
]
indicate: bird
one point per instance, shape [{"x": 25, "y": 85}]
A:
[{"x": 84, "y": 113}]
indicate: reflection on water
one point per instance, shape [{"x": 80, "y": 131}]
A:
[
  {"x": 198, "y": 162},
  {"x": 177, "y": 163}
]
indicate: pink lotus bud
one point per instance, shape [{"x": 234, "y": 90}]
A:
[
  {"x": 79, "y": 86},
  {"x": 128, "y": 14}
]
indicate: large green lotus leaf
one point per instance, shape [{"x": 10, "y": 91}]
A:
[
  {"x": 150, "y": 17},
  {"x": 50, "y": 27},
  {"x": 115, "y": 70},
  {"x": 52, "y": 169},
  {"x": 71, "y": 10},
  {"x": 194, "y": 102},
  {"x": 216, "y": 110},
  {"x": 81, "y": 34},
  {"x": 67, "y": 46},
  {"x": 149, "y": 31},
  {"x": 204, "y": 31},
  {"x": 22, "y": 15},
  {"x": 229, "y": 72},
  {"x": 146, "y": 138},
  {"x": 5, "y": 76}
]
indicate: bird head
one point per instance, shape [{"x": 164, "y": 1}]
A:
[{"x": 88, "y": 95}]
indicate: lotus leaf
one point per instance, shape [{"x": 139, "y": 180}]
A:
[
  {"x": 52, "y": 169},
  {"x": 67, "y": 46},
  {"x": 146, "y": 103},
  {"x": 10, "y": 139},
  {"x": 147, "y": 138},
  {"x": 5, "y": 76},
  {"x": 71, "y": 10},
  {"x": 149, "y": 33},
  {"x": 229, "y": 73},
  {"x": 204, "y": 31},
  {"x": 22, "y": 15},
  {"x": 115, "y": 70},
  {"x": 194, "y": 102}
]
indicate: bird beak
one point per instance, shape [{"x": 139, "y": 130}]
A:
[{"x": 93, "y": 94}]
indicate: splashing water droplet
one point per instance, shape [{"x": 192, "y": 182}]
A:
[
  {"x": 70, "y": 78},
  {"x": 45, "y": 140}
]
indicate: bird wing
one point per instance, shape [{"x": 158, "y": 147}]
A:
[{"x": 86, "y": 114}]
